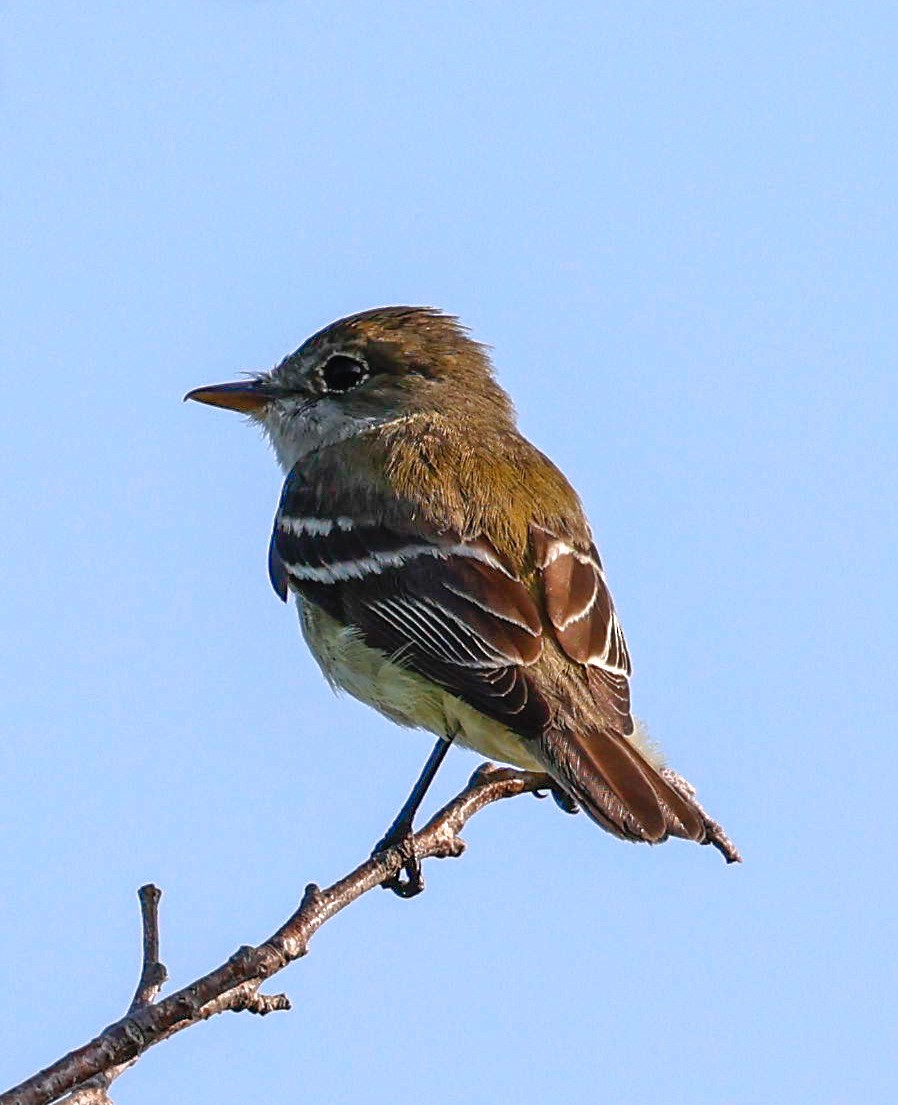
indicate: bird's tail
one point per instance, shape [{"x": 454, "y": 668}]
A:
[{"x": 624, "y": 792}]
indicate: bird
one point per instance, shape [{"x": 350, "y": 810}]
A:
[{"x": 445, "y": 572}]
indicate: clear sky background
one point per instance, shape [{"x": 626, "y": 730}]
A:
[{"x": 676, "y": 225}]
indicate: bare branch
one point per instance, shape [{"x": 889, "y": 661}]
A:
[
  {"x": 234, "y": 985},
  {"x": 86, "y": 1073},
  {"x": 153, "y": 973},
  {"x": 715, "y": 833},
  {"x": 92, "y": 1092}
]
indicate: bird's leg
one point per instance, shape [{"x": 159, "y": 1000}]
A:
[{"x": 400, "y": 832}]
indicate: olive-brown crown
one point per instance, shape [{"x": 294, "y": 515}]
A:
[{"x": 404, "y": 359}]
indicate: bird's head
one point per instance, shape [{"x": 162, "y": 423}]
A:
[{"x": 368, "y": 370}]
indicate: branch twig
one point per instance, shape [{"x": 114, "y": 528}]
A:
[
  {"x": 234, "y": 985},
  {"x": 152, "y": 976},
  {"x": 153, "y": 973}
]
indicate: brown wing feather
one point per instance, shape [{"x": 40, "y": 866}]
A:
[
  {"x": 442, "y": 624},
  {"x": 579, "y": 603},
  {"x": 605, "y": 771}
]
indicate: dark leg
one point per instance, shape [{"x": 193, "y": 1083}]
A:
[{"x": 400, "y": 832}]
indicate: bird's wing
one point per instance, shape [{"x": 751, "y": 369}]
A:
[
  {"x": 451, "y": 610},
  {"x": 578, "y": 602},
  {"x": 581, "y": 613},
  {"x": 442, "y": 606}
]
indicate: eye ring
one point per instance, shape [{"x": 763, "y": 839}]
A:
[{"x": 342, "y": 372}]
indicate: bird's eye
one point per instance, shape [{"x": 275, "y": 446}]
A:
[{"x": 342, "y": 373}]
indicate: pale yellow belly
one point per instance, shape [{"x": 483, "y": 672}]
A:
[{"x": 402, "y": 695}]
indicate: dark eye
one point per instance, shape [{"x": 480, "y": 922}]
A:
[{"x": 342, "y": 373}]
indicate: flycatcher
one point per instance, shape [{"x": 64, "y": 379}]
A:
[{"x": 444, "y": 570}]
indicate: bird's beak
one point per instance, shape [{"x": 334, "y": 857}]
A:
[{"x": 246, "y": 396}]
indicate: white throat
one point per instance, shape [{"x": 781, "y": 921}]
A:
[{"x": 294, "y": 432}]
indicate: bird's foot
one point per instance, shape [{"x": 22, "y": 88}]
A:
[
  {"x": 408, "y": 881},
  {"x": 560, "y": 797}
]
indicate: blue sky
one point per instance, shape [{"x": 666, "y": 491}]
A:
[{"x": 676, "y": 226}]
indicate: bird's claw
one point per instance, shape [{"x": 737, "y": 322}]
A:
[
  {"x": 411, "y": 884},
  {"x": 408, "y": 881},
  {"x": 560, "y": 797}
]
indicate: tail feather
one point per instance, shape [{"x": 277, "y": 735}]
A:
[{"x": 620, "y": 789}]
